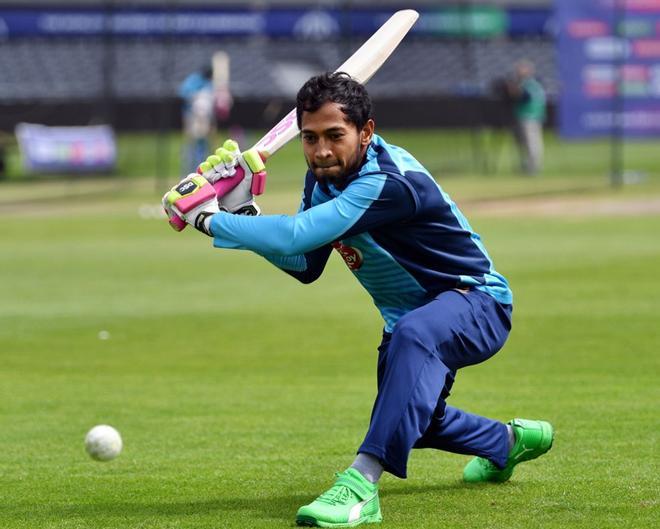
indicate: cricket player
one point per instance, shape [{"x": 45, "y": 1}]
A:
[
  {"x": 529, "y": 99},
  {"x": 197, "y": 94},
  {"x": 443, "y": 303}
]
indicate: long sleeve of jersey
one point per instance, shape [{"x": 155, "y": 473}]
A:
[
  {"x": 300, "y": 244},
  {"x": 308, "y": 267}
]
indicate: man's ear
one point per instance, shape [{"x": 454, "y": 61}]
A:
[{"x": 367, "y": 132}]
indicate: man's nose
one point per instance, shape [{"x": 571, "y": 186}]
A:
[{"x": 323, "y": 150}]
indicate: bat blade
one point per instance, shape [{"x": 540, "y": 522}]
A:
[
  {"x": 368, "y": 59},
  {"x": 220, "y": 64},
  {"x": 362, "y": 65}
]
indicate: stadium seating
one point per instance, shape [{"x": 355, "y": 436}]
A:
[{"x": 84, "y": 69}]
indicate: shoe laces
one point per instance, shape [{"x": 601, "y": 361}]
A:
[{"x": 336, "y": 495}]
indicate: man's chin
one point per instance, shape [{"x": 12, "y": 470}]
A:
[{"x": 330, "y": 176}]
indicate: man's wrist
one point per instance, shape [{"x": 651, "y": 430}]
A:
[{"x": 203, "y": 222}]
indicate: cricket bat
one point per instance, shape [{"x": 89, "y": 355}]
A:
[
  {"x": 220, "y": 65},
  {"x": 221, "y": 94},
  {"x": 361, "y": 66}
]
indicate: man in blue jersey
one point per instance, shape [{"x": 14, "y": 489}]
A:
[
  {"x": 444, "y": 304},
  {"x": 196, "y": 92}
]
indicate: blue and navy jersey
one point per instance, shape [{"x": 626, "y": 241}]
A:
[{"x": 400, "y": 234}]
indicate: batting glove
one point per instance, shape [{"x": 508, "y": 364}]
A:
[
  {"x": 193, "y": 200},
  {"x": 237, "y": 177}
]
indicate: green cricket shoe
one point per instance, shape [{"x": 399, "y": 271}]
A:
[
  {"x": 533, "y": 439},
  {"x": 351, "y": 501}
]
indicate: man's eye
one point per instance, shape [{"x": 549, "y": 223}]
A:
[
  {"x": 336, "y": 137},
  {"x": 309, "y": 139}
]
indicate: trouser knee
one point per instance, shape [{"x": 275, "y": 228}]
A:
[{"x": 412, "y": 337}]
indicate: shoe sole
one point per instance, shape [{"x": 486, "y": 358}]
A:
[{"x": 308, "y": 521}]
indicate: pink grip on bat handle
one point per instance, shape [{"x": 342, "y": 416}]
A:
[{"x": 225, "y": 185}]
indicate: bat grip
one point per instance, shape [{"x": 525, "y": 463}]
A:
[{"x": 225, "y": 185}]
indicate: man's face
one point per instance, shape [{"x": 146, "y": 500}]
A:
[{"x": 333, "y": 146}]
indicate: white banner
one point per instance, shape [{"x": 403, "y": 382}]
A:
[{"x": 47, "y": 149}]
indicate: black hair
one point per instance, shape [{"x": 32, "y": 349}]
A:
[{"x": 337, "y": 87}]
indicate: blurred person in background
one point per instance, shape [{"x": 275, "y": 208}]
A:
[
  {"x": 443, "y": 304},
  {"x": 529, "y": 108},
  {"x": 4, "y": 140},
  {"x": 197, "y": 93}
]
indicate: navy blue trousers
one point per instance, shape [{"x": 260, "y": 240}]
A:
[{"x": 417, "y": 365}]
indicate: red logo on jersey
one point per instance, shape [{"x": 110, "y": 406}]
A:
[{"x": 351, "y": 256}]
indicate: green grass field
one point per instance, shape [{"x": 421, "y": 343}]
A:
[
  {"x": 446, "y": 152},
  {"x": 239, "y": 392}
]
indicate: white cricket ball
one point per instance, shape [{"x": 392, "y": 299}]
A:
[{"x": 103, "y": 443}]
